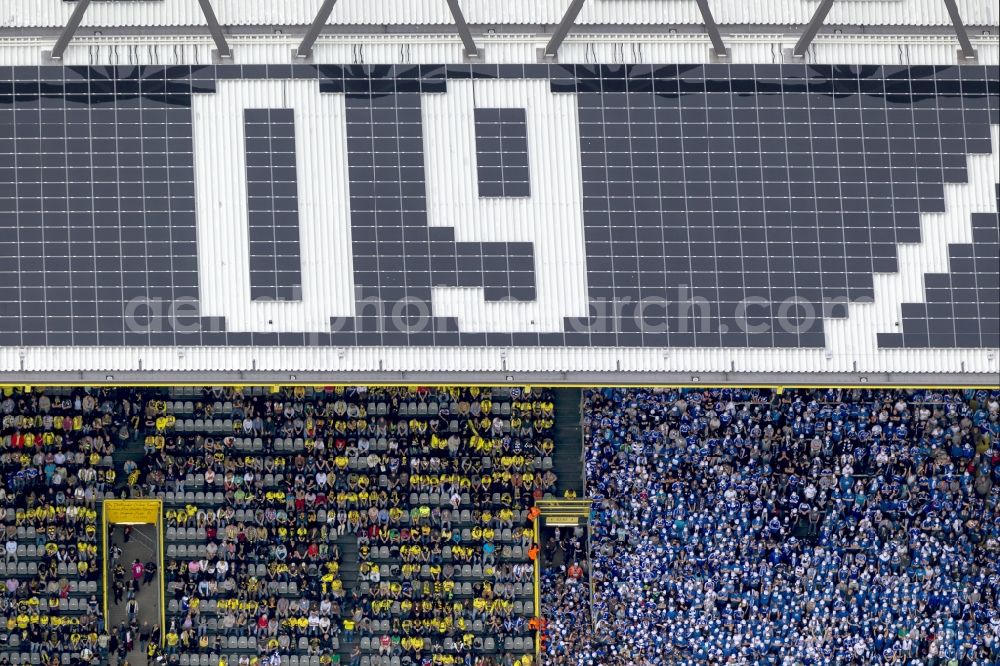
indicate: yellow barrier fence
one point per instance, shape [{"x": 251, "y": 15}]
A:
[{"x": 136, "y": 512}]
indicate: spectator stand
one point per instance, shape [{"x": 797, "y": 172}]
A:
[
  {"x": 854, "y": 526},
  {"x": 227, "y": 463},
  {"x": 58, "y": 449},
  {"x": 496, "y": 446}
]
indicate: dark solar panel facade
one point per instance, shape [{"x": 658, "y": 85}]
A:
[{"x": 719, "y": 185}]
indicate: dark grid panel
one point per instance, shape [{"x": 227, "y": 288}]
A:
[
  {"x": 961, "y": 307},
  {"x": 398, "y": 258},
  {"x": 272, "y": 205},
  {"x": 502, "y": 152},
  {"x": 97, "y": 210},
  {"x": 757, "y": 200}
]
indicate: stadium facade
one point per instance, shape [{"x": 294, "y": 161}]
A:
[{"x": 788, "y": 191}]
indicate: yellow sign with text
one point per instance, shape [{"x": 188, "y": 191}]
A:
[{"x": 138, "y": 511}]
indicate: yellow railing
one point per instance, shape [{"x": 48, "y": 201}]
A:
[{"x": 136, "y": 512}]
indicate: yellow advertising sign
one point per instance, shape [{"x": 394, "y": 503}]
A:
[{"x": 137, "y": 511}]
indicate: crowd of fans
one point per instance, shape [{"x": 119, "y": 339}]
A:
[
  {"x": 805, "y": 527},
  {"x": 55, "y": 465},
  {"x": 566, "y": 595},
  {"x": 417, "y": 499},
  {"x": 429, "y": 492},
  {"x": 730, "y": 526}
]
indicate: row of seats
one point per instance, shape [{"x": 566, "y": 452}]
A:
[
  {"x": 219, "y": 427},
  {"x": 66, "y": 658},
  {"x": 378, "y": 408},
  {"x": 29, "y": 569}
]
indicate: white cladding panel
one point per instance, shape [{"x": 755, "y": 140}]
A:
[
  {"x": 405, "y": 49},
  {"x": 412, "y": 361},
  {"x": 49, "y": 13},
  {"x": 324, "y": 207},
  {"x": 551, "y": 218}
]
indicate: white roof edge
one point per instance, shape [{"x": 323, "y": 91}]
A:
[
  {"x": 505, "y": 378},
  {"x": 54, "y": 13},
  {"x": 547, "y": 361}
]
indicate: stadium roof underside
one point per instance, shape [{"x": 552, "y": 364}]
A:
[{"x": 770, "y": 192}]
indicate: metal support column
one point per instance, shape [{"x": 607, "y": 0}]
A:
[
  {"x": 552, "y": 48},
  {"x": 968, "y": 52},
  {"x": 471, "y": 50},
  {"x": 305, "y": 49},
  {"x": 70, "y": 29},
  {"x": 713, "y": 29},
  {"x": 213, "y": 27},
  {"x": 815, "y": 23}
]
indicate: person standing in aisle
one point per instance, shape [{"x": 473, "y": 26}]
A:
[{"x": 138, "y": 569}]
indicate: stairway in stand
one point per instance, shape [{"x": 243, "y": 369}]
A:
[
  {"x": 130, "y": 450},
  {"x": 567, "y": 459},
  {"x": 348, "y": 575}
]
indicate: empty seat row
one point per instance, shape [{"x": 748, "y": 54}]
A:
[
  {"x": 34, "y": 658},
  {"x": 204, "y": 426},
  {"x": 233, "y": 659},
  {"x": 183, "y": 550},
  {"x": 175, "y": 534},
  {"x": 414, "y": 408},
  {"x": 200, "y": 499}
]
